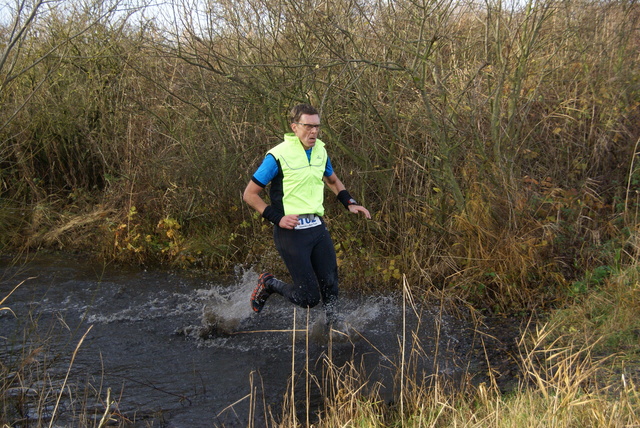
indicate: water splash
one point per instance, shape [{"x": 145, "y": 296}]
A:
[
  {"x": 225, "y": 308},
  {"x": 227, "y": 320}
]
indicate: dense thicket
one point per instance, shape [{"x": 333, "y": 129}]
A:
[{"x": 494, "y": 144}]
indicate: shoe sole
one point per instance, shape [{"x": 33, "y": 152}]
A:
[{"x": 255, "y": 304}]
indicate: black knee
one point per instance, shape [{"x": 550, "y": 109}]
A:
[{"x": 310, "y": 302}]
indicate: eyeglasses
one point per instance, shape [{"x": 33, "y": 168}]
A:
[{"x": 308, "y": 126}]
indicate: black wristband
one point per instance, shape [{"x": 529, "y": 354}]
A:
[
  {"x": 345, "y": 198},
  {"x": 272, "y": 215}
]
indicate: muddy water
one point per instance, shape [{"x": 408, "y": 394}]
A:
[{"x": 180, "y": 350}]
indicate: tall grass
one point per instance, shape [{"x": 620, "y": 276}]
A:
[
  {"x": 492, "y": 142},
  {"x": 565, "y": 380},
  {"x": 486, "y": 140}
]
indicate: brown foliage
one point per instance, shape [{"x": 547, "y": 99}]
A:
[{"x": 445, "y": 119}]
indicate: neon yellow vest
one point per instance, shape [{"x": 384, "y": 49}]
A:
[{"x": 302, "y": 185}]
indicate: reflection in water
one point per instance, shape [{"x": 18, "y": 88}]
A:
[{"x": 185, "y": 351}]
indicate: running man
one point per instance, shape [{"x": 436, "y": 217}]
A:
[{"x": 298, "y": 168}]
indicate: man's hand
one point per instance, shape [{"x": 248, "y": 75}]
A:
[
  {"x": 359, "y": 209},
  {"x": 289, "y": 221}
]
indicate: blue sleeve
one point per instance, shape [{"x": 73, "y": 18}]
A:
[
  {"x": 266, "y": 171},
  {"x": 329, "y": 168}
]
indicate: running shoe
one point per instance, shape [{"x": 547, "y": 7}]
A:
[{"x": 261, "y": 293}]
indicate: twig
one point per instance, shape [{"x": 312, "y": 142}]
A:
[
  {"x": 73, "y": 357},
  {"x": 7, "y": 296}
]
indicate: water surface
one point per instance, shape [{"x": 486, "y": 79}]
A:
[{"x": 181, "y": 350}]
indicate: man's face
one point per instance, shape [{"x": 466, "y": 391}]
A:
[{"x": 306, "y": 129}]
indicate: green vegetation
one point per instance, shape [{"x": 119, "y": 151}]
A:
[{"x": 495, "y": 145}]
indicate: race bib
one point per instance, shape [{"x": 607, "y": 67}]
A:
[{"x": 306, "y": 221}]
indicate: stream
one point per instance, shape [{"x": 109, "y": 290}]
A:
[{"x": 157, "y": 348}]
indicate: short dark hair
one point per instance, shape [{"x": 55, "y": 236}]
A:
[{"x": 301, "y": 109}]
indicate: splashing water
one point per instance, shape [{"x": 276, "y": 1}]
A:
[{"x": 185, "y": 351}]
